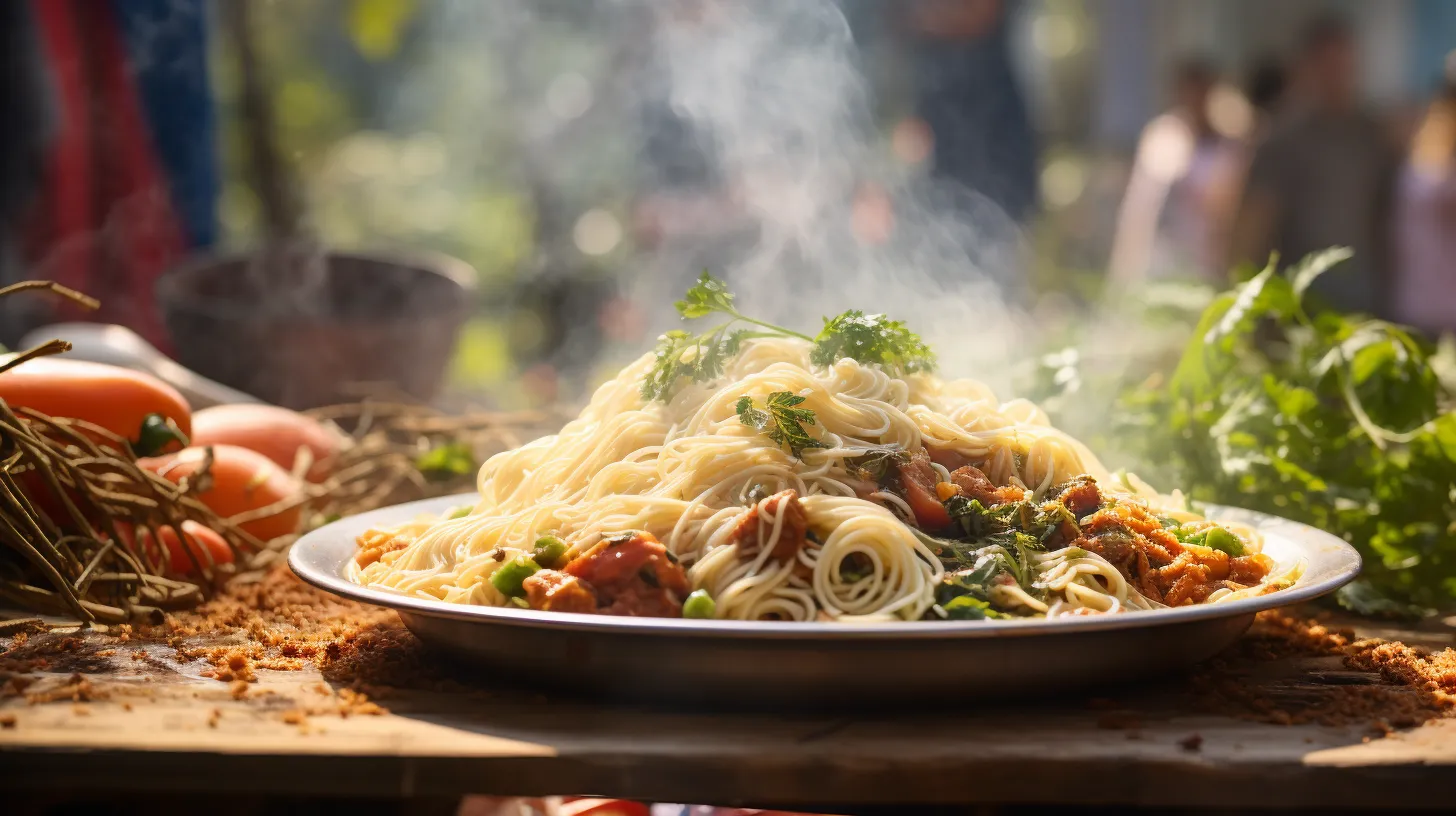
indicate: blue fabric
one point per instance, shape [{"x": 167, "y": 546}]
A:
[
  {"x": 167, "y": 45},
  {"x": 1433, "y": 36}
]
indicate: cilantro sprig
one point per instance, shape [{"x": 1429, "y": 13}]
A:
[
  {"x": 781, "y": 419},
  {"x": 871, "y": 339}
]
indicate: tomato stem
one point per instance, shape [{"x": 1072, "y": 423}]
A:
[{"x": 156, "y": 434}]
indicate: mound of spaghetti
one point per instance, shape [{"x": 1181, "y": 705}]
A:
[{"x": 761, "y": 474}]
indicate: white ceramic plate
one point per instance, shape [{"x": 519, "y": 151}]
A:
[{"x": 755, "y": 663}]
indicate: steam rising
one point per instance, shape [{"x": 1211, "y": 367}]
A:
[{"x": 775, "y": 96}]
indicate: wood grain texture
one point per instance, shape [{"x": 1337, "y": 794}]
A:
[{"x": 154, "y": 722}]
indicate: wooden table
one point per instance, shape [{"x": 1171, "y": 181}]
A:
[{"x": 1147, "y": 747}]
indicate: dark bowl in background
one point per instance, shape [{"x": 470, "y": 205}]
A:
[{"x": 376, "y": 318}]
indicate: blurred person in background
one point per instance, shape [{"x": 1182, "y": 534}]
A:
[
  {"x": 1174, "y": 216},
  {"x": 1425, "y": 220},
  {"x": 969, "y": 97},
  {"x": 109, "y": 160},
  {"x": 1323, "y": 176},
  {"x": 1264, "y": 89}
]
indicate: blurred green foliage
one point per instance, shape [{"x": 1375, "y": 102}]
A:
[{"x": 1338, "y": 421}]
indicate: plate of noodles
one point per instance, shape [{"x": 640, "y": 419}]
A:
[{"x": 824, "y": 512}]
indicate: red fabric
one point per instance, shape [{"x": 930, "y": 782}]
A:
[{"x": 104, "y": 224}]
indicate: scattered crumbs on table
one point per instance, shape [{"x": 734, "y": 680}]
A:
[{"x": 77, "y": 689}]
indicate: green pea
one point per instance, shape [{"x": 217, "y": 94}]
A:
[
  {"x": 1220, "y": 539},
  {"x": 509, "y": 578},
  {"x": 700, "y": 605},
  {"x": 549, "y": 550}
]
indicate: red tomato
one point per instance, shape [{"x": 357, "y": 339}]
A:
[
  {"x": 200, "y": 540},
  {"x": 38, "y": 491},
  {"x": 277, "y": 433},
  {"x": 242, "y": 481},
  {"x": 918, "y": 479},
  {"x": 118, "y": 399}
]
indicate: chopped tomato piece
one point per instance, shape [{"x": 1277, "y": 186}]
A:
[
  {"x": 759, "y": 522},
  {"x": 632, "y": 574},
  {"x": 918, "y": 479}
]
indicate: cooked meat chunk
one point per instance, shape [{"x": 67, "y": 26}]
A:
[
  {"x": 947, "y": 458},
  {"x": 553, "y": 591},
  {"x": 1249, "y": 569},
  {"x": 632, "y": 574},
  {"x": 974, "y": 484},
  {"x": 757, "y": 527},
  {"x": 1080, "y": 496}
]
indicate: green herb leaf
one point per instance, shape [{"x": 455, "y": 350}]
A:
[
  {"x": 1304, "y": 273},
  {"x": 967, "y": 607},
  {"x": 1332, "y": 420},
  {"x": 707, "y": 296},
  {"x": 782, "y": 420},
  {"x": 880, "y": 464},
  {"x": 871, "y": 339}
]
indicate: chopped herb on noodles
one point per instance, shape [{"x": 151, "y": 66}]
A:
[{"x": 762, "y": 474}]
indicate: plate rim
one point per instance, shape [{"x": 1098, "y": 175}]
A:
[{"x": 1347, "y": 569}]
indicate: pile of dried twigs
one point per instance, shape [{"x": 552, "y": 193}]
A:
[
  {"x": 401, "y": 452},
  {"x": 74, "y": 505}
]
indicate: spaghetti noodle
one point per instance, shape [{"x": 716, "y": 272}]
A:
[{"x": 787, "y": 490}]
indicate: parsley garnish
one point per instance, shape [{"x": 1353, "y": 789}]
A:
[
  {"x": 870, "y": 339},
  {"x": 782, "y": 420}
]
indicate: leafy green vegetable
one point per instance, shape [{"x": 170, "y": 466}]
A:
[
  {"x": 512, "y": 575},
  {"x": 871, "y": 339},
  {"x": 781, "y": 420},
  {"x": 448, "y": 461},
  {"x": 969, "y": 607},
  {"x": 1337, "y": 421},
  {"x": 880, "y": 464},
  {"x": 699, "y": 605}
]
